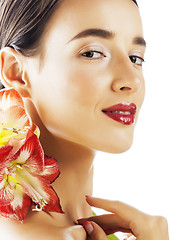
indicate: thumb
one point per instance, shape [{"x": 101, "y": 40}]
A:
[{"x": 94, "y": 231}]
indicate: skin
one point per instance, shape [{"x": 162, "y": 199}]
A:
[
  {"x": 124, "y": 218},
  {"x": 65, "y": 92}
]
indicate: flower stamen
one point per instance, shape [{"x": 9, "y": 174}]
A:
[
  {"x": 15, "y": 130},
  {"x": 42, "y": 203}
]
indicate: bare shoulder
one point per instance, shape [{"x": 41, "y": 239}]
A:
[{"x": 10, "y": 229}]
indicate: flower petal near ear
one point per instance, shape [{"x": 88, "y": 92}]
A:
[
  {"x": 14, "y": 123},
  {"x": 10, "y": 97},
  {"x": 14, "y": 120}
]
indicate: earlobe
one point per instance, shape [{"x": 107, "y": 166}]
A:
[{"x": 11, "y": 71}]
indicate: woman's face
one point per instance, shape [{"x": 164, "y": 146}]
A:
[{"x": 92, "y": 60}]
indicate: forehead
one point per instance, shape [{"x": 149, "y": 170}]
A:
[{"x": 119, "y": 16}]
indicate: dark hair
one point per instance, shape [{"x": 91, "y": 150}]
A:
[{"x": 22, "y": 23}]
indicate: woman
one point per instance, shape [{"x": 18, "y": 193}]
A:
[{"x": 78, "y": 66}]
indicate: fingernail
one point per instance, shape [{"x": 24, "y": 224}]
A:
[
  {"x": 87, "y": 196},
  {"x": 88, "y": 227}
]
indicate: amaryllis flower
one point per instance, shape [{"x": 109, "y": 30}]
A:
[
  {"x": 14, "y": 120},
  {"x": 25, "y": 178}
]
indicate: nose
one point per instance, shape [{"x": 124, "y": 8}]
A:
[{"x": 126, "y": 77}]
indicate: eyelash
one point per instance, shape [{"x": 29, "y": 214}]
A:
[
  {"x": 92, "y": 51},
  {"x": 133, "y": 58}
]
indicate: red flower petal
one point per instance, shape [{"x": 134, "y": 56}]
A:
[
  {"x": 19, "y": 213},
  {"x": 53, "y": 205},
  {"x": 40, "y": 191},
  {"x": 35, "y": 130},
  {"x": 10, "y": 97},
  {"x": 16, "y": 144},
  {"x": 31, "y": 154},
  {"x": 4, "y": 152},
  {"x": 51, "y": 169},
  {"x": 15, "y": 117},
  {"x": 5, "y": 196}
]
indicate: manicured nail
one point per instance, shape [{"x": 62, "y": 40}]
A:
[
  {"x": 88, "y": 227},
  {"x": 88, "y": 196}
]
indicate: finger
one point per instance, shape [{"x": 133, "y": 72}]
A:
[
  {"x": 94, "y": 231},
  {"x": 110, "y": 223},
  {"x": 123, "y": 210}
]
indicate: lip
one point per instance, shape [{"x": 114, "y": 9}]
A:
[{"x": 123, "y": 113}]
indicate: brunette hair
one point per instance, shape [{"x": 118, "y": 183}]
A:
[{"x": 22, "y": 23}]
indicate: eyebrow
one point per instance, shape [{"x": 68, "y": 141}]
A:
[
  {"x": 139, "y": 41},
  {"x": 94, "y": 32},
  {"x": 97, "y": 32}
]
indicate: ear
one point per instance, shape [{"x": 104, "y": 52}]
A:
[{"x": 12, "y": 73}]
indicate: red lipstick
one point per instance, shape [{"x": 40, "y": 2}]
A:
[{"x": 122, "y": 113}]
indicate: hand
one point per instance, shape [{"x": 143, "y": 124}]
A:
[{"x": 123, "y": 218}]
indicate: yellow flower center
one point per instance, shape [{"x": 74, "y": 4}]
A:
[{"x": 7, "y": 133}]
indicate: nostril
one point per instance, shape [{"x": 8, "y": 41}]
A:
[{"x": 125, "y": 88}]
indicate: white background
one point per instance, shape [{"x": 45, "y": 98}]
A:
[{"x": 145, "y": 176}]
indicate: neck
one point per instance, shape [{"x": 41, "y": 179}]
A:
[
  {"x": 75, "y": 181},
  {"x": 76, "y": 167}
]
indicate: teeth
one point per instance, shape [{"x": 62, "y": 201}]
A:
[{"x": 122, "y": 113}]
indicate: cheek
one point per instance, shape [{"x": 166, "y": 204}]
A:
[
  {"x": 66, "y": 93},
  {"x": 84, "y": 87}
]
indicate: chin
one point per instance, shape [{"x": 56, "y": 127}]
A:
[
  {"x": 118, "y": 149},
  {"x": 116, "y": 146},
  {"x": 119, "y": 143}
]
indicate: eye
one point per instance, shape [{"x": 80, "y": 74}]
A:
[
  {"x": 136, "y": 60},
  {"x": 92, "y": 54}
]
